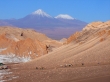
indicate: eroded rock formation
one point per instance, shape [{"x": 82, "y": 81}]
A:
[
  {"x": 25, "y": 42},
  {"x": 93, "y": 30}
]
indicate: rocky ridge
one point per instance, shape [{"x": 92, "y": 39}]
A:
[
  {"x": 95, "y": 29},
  {"x": 25, "y": 43}
]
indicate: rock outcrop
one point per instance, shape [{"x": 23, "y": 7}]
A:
[
  {"x": 73, "y": 37},
  {"x": 97, "y": 25},
  {"x": 22, "y": 48},
  {"x": 26, "y": 48},
  {"x": 92, "y": 30},
  {"x": 25, "y": 43}
]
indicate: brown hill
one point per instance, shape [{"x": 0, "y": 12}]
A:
[
  {"x": 26, "y": 48},
  {"x": 92, "y": 30},
  {"x": 85, "y": 57},
  {"x": 97, "y": 25},
  {"x": 25, "y": 42},
  {"x": 21, "y": 34}
]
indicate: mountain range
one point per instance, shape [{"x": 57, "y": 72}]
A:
[{"x": 39, "y": 20}]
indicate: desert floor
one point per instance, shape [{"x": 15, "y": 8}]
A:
[{"x": 93, "y": 73}]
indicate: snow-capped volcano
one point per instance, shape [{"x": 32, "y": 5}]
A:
[
  {"x": 45, "y": 23},
  {"x": 64, "y": 16},
  {"x": 41, "y": 13}
]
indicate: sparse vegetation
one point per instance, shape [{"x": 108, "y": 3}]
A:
[{"x": 40, "y": 68}]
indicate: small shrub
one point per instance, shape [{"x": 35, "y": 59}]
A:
[
  {"x": 37, "y": 68},
  {"x": 82, "y": 63}
]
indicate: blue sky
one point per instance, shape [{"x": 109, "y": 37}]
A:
[{"x": 85, "y": 10}]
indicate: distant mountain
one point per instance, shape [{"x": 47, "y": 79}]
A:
[
  {"x": 43, "y": 22},
  {"x": 41, "y": 13},
  {"x": 64, "y": 16}
]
